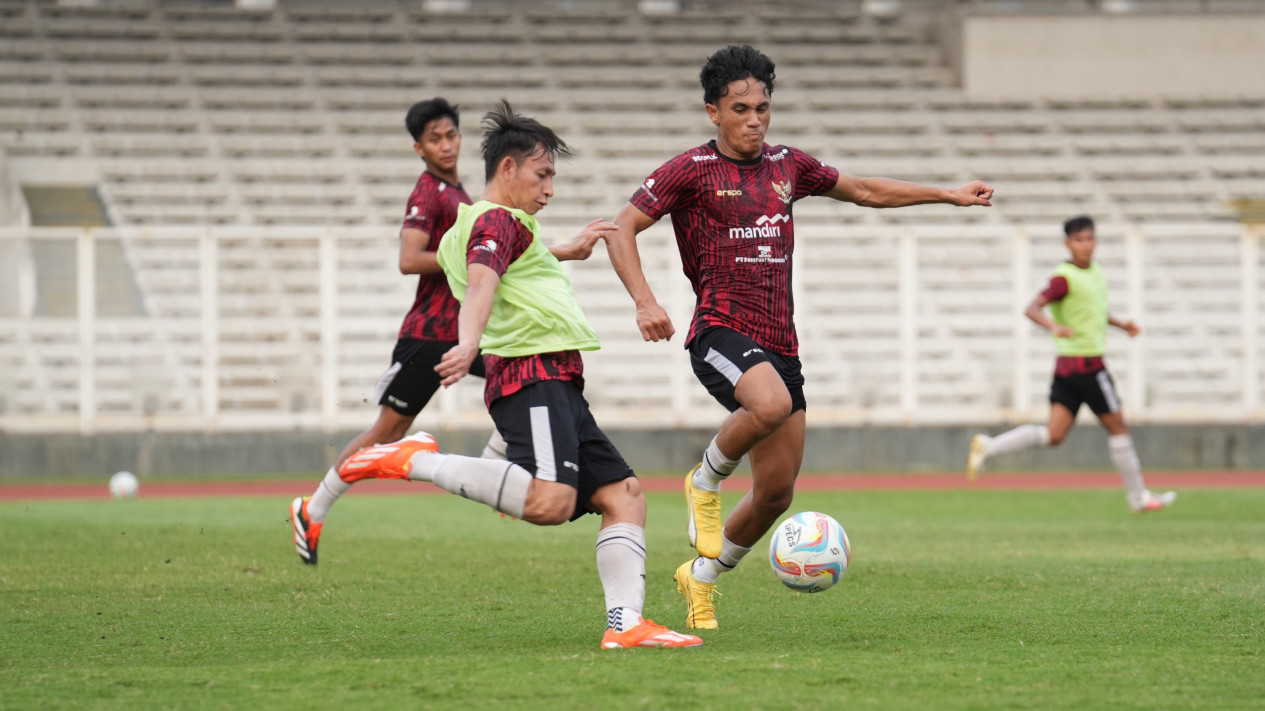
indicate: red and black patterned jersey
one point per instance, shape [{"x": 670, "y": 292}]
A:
[
  {"x": 496, "y": 240},
  {"x": 506, "y": 376},
  {"x": 736, "y": 236},
  {"x": 1065, "y": 366},
  {"x": 1056, "y": 289},
  {"x": 432, "y": 208}
]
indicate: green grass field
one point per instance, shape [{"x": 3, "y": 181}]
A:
[{"x": 970, "y": 600}]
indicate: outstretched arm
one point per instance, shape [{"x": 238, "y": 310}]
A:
[
  {"x": 1036, "y": 313},
  {"x": 1127, "y": 325},
  {"x": 471, "y": 320},
  {"x": 885, "y": 192},
  {"x": 581, "y": 246},
  {"x": 621, "y": 244}
]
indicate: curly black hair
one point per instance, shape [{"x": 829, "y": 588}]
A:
[{"x": 737, "y": 61}]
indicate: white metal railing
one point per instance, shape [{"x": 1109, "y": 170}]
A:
[{"x": 904, "y": 324}]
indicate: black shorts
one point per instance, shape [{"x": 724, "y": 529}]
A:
[
  {"x": 720, "y": 356},
  {"x": 411, "y": 380},
  {"x": 1094, "y": 389},
  {"x": 550, "y": 432}
]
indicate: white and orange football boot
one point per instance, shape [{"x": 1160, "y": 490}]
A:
[
  {"x": 647, "y": 634},
  {"x": 306, "y": 533},
  {"x": 1153, "y": 502},
  {"x": 386, "y": 461}
]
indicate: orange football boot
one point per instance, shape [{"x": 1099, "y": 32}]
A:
[
  {"x": 386, "y": 461},
  {"x": 648, "y": 634}
]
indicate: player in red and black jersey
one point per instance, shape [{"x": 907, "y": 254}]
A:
[
  {"x": 430, "y": 326},
  {"x": 731, "y": 205}
]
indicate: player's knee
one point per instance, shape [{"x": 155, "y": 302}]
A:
[
  {"x": 771, "y": 412},
  {"x": 1056, "y": 438},
  {"x": 547, "y": 511},
  {"x": 546, "y": 516},
  {"x": 391, "y": 429},
  {"x": 622, "y": 500}
]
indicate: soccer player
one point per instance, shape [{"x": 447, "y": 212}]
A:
[
  {"x": 730, "y": 201},
  {"x": 430, "y": 326},
  {"x": 1078, "y": 320},
  {"x": 517, "y": 305}
]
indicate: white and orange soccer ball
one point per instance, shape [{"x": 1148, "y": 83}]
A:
[
  {"x": 123, "y": 485},
  {"x": 809, "y": 552}
]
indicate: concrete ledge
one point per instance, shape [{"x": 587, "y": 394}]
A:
[{"x": 53, "y": 456}]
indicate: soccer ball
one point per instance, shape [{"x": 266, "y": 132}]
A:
[
  {"x": 123, "y": 485},
  {"x": 809, "y": 552}
]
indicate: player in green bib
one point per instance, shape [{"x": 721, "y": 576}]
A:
[
  {"x": 517, "y": 305},
  {"x": 1078, "y": 320}
]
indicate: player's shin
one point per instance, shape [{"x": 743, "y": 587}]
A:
[
  {"x": 331, "y": 487},
  {"x": 1021, "y": 437},
  {"x": 1125, "y": 457},
  {"x": 621, "y": 564},
  {"x": 501, "y": 485},
  {"x": 715, "y": 469},
  {"x": 708, "y": 570}
]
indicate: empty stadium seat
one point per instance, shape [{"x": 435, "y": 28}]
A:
[{"x": 200, "y": 116}]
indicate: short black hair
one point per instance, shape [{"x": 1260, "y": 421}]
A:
[
  {"x": 737, "y": 61},
  {"x": 423, "y": 112},
  {"x": 1077, "y": 224},
  {"x": 509, "y": 133}
]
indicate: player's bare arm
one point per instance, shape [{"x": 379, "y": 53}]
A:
[
  {"x": 473, "y": 318},
  {"x": 581, "y": 246},
  {"x": 621, "y": 244},
  {"x": 415, "y": 258},
  {"x": 1036, "y": 313},
  {"x": 1124, "y": 324},
  {"x": 886, "y": 192}
]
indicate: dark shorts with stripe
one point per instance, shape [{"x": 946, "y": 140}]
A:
[
  {"x": 720, "y": 356},
  {"x": 550, "y": 432},
  {"x": 411, "y": 380},
  {"x": 1096, "y": 389}
]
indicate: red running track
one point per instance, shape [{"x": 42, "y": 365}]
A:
[{"x": 807, "y": 482}]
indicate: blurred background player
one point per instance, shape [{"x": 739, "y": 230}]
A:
[
  {"x": 518, "y": 306},
  {"x": 730, "y": 201},
  {"x": 430, "y": 326},
  {"x": 1078, "y": 320}
]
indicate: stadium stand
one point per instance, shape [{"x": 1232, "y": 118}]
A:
[{"x": 198, "y": 120}]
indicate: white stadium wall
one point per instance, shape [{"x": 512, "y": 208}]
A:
[
  {"x": 254, "y": 168},
  {"x": 1113, "y": 56}
]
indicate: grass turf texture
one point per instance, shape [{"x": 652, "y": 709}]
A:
[{"x": 955, "y": 600}]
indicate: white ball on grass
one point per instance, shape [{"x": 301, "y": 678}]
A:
[{"x": 123, "y": 485}]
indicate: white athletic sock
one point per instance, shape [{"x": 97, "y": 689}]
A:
[
  {"x": 621, "y": 564},
  {"x": 1125, "y": 457},
  {"x": 1021, "y": 437},
  {"x": 495, "y": 448},
  {"x": 331, "y": 487},
  {"x": 501, "y": 485},
  {"x": 707, "y": 570},
  {"x": 716, "y": 466}
]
